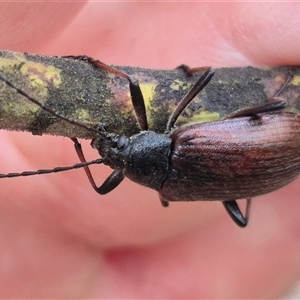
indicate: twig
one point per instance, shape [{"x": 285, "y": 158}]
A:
[{"x": 81, "y": 92}]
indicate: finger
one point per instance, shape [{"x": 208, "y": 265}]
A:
[{"x": 30, "y": 26}]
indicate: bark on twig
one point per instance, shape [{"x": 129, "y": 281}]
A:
[{"x": 81, "y": 92}]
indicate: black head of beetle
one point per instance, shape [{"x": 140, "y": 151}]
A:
[{"x": 143, "y": 158}]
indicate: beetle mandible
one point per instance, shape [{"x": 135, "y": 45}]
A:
[{"x": 252, "y": 152}]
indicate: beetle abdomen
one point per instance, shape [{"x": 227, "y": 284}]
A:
[{"x": 234, "y": 158}]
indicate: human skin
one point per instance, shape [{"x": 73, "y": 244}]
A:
[{"x": 60, "y": 239}]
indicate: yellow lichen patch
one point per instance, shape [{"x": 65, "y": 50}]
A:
[
  {"x": 36, "y": 75},
  {"x": 295, "y": 80},
  {"x": 12, "y": 62},
  {"x": 82, "y": 115},
  {"x": 179, "y": 85},
  {"x": 148, "y": 92},
  {"x": 17, "y": 110},
  {"x": 203, "y": 116},
  {"x": 39, "y": 75}
]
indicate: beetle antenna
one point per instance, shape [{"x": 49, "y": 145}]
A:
[
  {"x": 47, "y": 109},
  {"x": 55, "y": 170}
]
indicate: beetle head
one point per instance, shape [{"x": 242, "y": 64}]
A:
[{"x": 113, "y": 149}]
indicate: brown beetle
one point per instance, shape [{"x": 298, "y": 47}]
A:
[{"x": 252, "y": 152}]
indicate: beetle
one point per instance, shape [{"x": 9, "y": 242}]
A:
[{"x": 254, "y": 151}]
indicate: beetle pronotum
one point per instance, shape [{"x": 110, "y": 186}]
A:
[{"x": 252, "y": 152}]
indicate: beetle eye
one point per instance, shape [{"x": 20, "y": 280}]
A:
[{"x": 122, "y": 142}]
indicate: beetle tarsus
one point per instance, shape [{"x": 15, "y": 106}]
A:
[
  {"x": 98, "y": 64},
  {"x": 163, "y": 202},
  {"x": 191, "y": 71},
  {"x": 235, "y": 213}
]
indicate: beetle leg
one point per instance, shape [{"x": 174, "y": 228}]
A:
[
  {"x": 113, "y": 180},
  {"x": 163, "y": 202},
  {"x": 137, "y": 98},
  {"x": 235, "y": 213},
  {"x": 197, "y": 88},
  {"x": 81, "y": 157},
  {"x": 259, "y": 109},
  {"x": 273, "y": 104},
  {"x": 191, "y": 71},
  {"x": 138, "y": 103},
  {"x": 109, "y": 184},
  {"x": 289, "y": 78}
]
